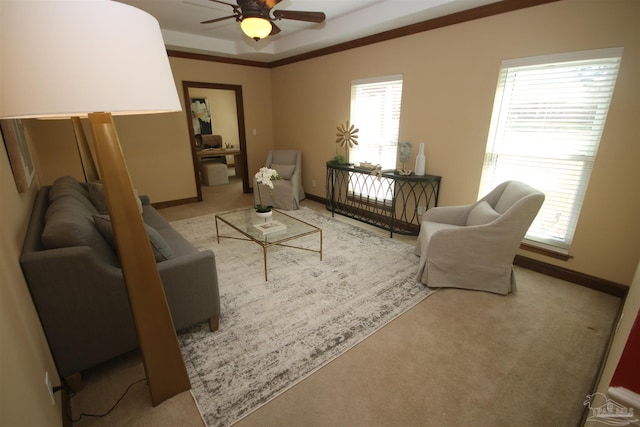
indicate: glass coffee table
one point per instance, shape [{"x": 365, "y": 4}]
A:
[{"x": 276, "y": 230}]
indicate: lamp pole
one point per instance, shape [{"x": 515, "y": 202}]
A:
[{"x": 163, "y": 363}]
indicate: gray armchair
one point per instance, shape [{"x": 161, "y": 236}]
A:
[
  {"x": 473, "y": 246},
  {"x": 287, "y": 191}
]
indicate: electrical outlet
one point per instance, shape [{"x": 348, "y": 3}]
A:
[
  {"x": 49, "y": 387},
  {"x": 421, "y": 209},
  {"x": 313, "y": 183}
]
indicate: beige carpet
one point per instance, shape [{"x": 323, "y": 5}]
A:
[
  {"x": 463, "y": 358},
  {"x": 275, "y": 333},
  {"x": 458, "y": 358}
]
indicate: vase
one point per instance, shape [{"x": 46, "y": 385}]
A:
[
  {"x": 420, "y": 160},
  {"x": 264, "y": 215}
]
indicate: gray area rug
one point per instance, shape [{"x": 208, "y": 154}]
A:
[{"x": 274, "y": 334}]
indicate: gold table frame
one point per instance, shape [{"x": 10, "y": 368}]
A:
[{"x": 242, "y": 221}]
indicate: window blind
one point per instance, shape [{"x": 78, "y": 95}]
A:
[
  {"x": 375, "y": 110},
  {"x": 548, "y": 117}
]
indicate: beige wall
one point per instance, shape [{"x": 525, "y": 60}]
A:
[
  {"x": 256, "y": 94},
  {"x": 24, "y": 352},
  {"x": 450, "y": 77},
  {"x": 156, "y": 147}
]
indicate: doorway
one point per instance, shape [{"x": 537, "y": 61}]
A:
[{"x": 223, "y": 101}]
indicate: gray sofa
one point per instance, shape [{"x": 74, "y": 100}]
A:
[{"x": 76, "y": 282}]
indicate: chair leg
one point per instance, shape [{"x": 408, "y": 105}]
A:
[
  {"x": 74, "y": 382},
  {"x": 213, "y": 323}
]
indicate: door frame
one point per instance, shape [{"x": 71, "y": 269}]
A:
[{"x": 241, "y": 169}]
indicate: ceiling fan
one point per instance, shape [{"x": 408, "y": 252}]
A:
[{"x": 256, "y": 19}]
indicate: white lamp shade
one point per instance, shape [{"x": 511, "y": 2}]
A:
[{"x": 70, "y": 58}]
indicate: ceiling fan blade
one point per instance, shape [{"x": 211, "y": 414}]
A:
[
  {"x": 299, "y": 15},
  {"x": 270, "y": 3},
  {"x": 274, "y": 29},
  {"x": 210, "y": 21},
  {"x": 224, "y": 2}
]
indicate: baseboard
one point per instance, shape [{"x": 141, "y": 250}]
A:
[
  {"x": 168, "y": 204},
  {"x": 572, "y": 276},
  {"x": 315, "y": 198}
]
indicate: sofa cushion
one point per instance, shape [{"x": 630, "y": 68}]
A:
[
  {"x": 67, "y": 186},
  {"x": 161, "y": 250},
  {"x": 284, "y": 171},
  {"x": 68, "y": 223},
  {"x": 482, "y": 214},
  {"x": 67, "y": 229},
  {"x": 71, "y": 183}
]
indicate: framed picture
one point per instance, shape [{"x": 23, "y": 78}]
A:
[
  {"x": 15, "y": 142},
  {"x": 201, "y": 116}
]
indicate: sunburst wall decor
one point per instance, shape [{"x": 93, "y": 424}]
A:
[{"x": 347, "y": 137}]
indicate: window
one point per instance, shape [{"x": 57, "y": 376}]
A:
[
  {"x": 375, "y": 111},
  {"x": 548, "y": 116}
]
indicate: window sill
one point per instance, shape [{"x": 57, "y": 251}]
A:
[{"x": 545, "y": 251}]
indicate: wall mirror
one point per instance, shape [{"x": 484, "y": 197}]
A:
[{"x": 215, "y": 116}]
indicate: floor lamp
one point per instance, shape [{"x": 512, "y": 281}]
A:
[
  {"x": 97, "y": 59},
  {"x": 89, "y": 168}
]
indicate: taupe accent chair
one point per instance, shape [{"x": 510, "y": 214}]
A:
[
  {"x": 287, "y": 191},
  {"x": 473, "y": 246}
]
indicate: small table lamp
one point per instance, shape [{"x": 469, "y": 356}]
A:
[{"x": 96, "y": 59}]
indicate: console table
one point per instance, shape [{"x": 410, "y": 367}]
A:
[{"x": 391, "y": 201}]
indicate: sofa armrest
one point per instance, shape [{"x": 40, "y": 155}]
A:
[
  {"x": 455, "y": 215},
  {"x": 191, "y": 286},
  {"x": 83, "y": 306},
  {"x": 488, "y": 244}
]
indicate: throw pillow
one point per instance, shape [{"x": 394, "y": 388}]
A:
[
  {"x": 161, "y": 250},
  {"x": 284, "y": 171},
  {"x": 99, "y": 199},
  {"x": 482, "y": 214}
]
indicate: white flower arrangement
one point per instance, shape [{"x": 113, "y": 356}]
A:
[{"x": 265, "y": 176}]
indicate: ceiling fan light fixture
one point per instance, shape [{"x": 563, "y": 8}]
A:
[{"x": 256, "y": 28}]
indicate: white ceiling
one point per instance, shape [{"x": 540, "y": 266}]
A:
[{"x": 346, "y": 20}]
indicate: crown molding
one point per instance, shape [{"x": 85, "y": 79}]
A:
[{"x": 479, "y": 12}]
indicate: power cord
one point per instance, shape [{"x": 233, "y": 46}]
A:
[{"x": 82, "y": 414}]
